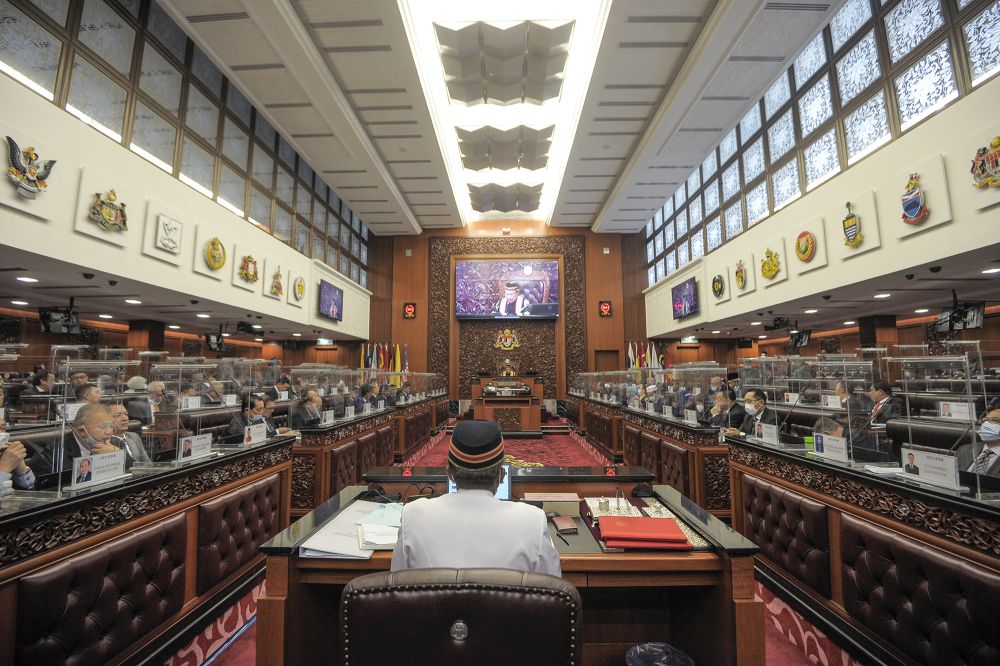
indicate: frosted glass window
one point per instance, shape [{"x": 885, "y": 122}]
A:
[
  {"x": 28, "y": 52},
  {"x": 728, "y": 146},
  {"x": 926, "y": 86},
  {"x": 355, "y": 272},
  {"x": 108, "y": 35},
  {"x": 753, "y": 161},
  {"x": 651, "y": 276},
  {"x": 96, "y": 96},
  {"x": 323, "y": 191},
  {"x": 166, "y": 31},
  {"x": 821, "y": 159},
  {"x": 711, "y": 197},
  {"x": 131, "y": 6},
  {"x": 734, "y": 220},
  {"x": 232, "y": 189},
  {"x": 815, "y": 106},
  {"x": 668, "y": 208},
  {"x": 982, "y": 39},
  {"x": 649, "y": 227},
  {"x": 356, "y": 221},
  {"x": 713, "y": 235},
  {"x": 238, "y": 104},
  {"x": 661, "y": 268},
  {"x": 709, "y": 166},
  {"x": 698, "y": 244},
  {"x": 658, "y": 241},
  {"x": 812, "y": 58},
  {"x": 160, "y": 80},
  {"x": 364, "y": 278},
  {"x": 345, "y": 238},
  {"x": 318, "y": 247},
  {"x": 154, "y": 136},
  {"x": 858, "y": 69},
  {"x": 301, "y": 238},
  {"x": 852, "y": 15},
  {"x": 909, "y": 23},
  {"x": 786, "y": 184},
  {"x": 260, "y": 207},
  {"x": 282, "y": 223},
  {"x": 781, "y": 137},
  {"x": 355, "y": 246},
  {"x": 777, "y": 95},
  {"x": 750, "y": 123},
  {"x": 263, "y": 166},
  {"x": 963, "y": 3},
  {"x": 202, "y": 115},
  {"x": 345, "y": 264},
  {"x": 651, "y": 248},
  {"x": 658, "y": 219},
  {"x": 306, "y": 172},
  {"x": 285, "y": 152},
  {"x": 682, "y": 222},
  {"x": 731, "y": 181},
  {"x": 198, "y": 167},
  {"x": 694, "y": 213},
  {"x": 206, "y": 72},
  {"x": 670, "y": 263},
  {"x": 668, "y": 234},
  {"x": 866, "y": 128},
  {"x": 331, "y": 256},
  {"x": 682, "y": 254},
  {"x": 303, "y": 203},
  {"x": 56, "y": 9},
  {"x": 693, "y": 182},
  {"x": 235, "y": 143},
  {"x": 757, "y": 206},
  {"x": 680, "y": 196},
  {"x": 284, "y": 190},
  {"x": 264, "y": 131}
]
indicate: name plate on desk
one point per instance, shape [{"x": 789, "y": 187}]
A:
[
  {"x": 190, "y": 402},
  {"x": 196, "y": 446},
  {"x": 282, "y": 395},
  {"x": 650, "y": 408},
  {"x": 380, "y": 404},
  {"x": 768, "y": 432},
  {"x": 69, "y": 409},
  {"x": 349, "y": 411},
  {"x": 831, "y": 401},
  {"x": 955, "y": 410},
  {"x": 255, "y": 434},
  {"x": 791, "y": 397},
  {"x": 93, "y": 470},
  {"x": 230, "y": 399},
  {"x": 329, "y": 416},
  {"x": 691, "y": 416},
  {"x": 938, "y": 468},
  {"x": 832, "y": 447},
  {"x": 321, "y": 392}
]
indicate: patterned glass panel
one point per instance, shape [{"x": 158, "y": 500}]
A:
[
  {"x": 668, "y": 208},
  {"x": 301, "y": 242},
  {"x": 198, "y": 166},
  {"x": 926, "y": 86},
  {"x": 847, "y": 21},
  {"x": 108, "y": 35},
  {"x": 284, "y": 190},
  {"x": 866, "y": 128},
  {"x": 815, "y": 106},
  {"x": 166, "y": 31},
  {"x": 263, "y": 166},
  {"x": 355, "y": 246},
  {"x": 238, "y": 104},
  {"x": 982, "y": 38},
  {"x": 154, "y": 136},
  {"x": 264, "y": 131},
  {"x": 694, "y": 213},
  {"x": 786, "y": 184},
  {"x": 95, "y": 95},
  {"x": 160, "y": 80},
  {"x": 651, "y": 248},
  {"x": 734, "y": 220},
  {"x": 757, "y": 207},
  {"x": 260, "y": 207},
  {"x": 670, "y": 263},
  {"x": 345, "y": 237},
  {"x": 206, "y": 72},
  {"x": 202, "y": 115},
  {"x": 282, "y": 224},
  {"x": 809, "y": 61},
  {"x": 858, "y": 69},
  {"x": 232, "y": 188},
  {"x": 331, "y": 256},
  {"x": 728, "y": 146},
  {"x": 693, "y": 182},
  {"x": 668, "y": 234},
  {"x": 235, "y": 143},
  {"x": 651, "y": 275},
  {"x": 682, "y": 222},
  {"x": 753, "y": 161},
  {"x": 355, "y": 271},
  {"x": 364, "y": 254},
  {"x": 27, "y": 50},
  {"x": 345, "y": 264},
  {"x": 56, "y": 9},
  {"x": 777, "y": 95},
  {"x": 698, "y": 244},
  {"x": 822, "y": 160},
  {"x": 680, "y": 196},
  {"x": 649, "y": 227},
  {"x": 963, "y": 3},
  {"x": 750, "y": 123},
  {"x": 731, "y": 181},
  {"x": 364, "y": 279},
  {"x": 285, "y": 152},
  {"x": 661, "y": 268},
  {"x": 711, "y": 197},
  {"x": 709, "y": 166},
  {"x": 909, "y": 23},
  {"x": 658, "y": 242},
  {"x": 781, "y": 137},
  {"x": 658, "y": 218},
  {"x": 303, "y": 203},
  {"x": 131, "y": 6},
  {"x": 713, "y": 233},
  {"x": 682, "y": 254}
]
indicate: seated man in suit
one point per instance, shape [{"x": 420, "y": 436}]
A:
[
  {"x": 471, "y": 528},
  {"x": 145, "y": 411},
  {"x": 513, "y": 303},
  {"x": 361, "y": 399},
  {"x": 13, "y": 466},
  {"x": 755, "y": 405},
  {"x": 92, "y": 434},
  {"x": 987, "y": 461},
  {"x": 124, "y": 437},
  {"x": 253, "y": 412},
  {"x": 280, "y": 387},
  {"x": 726, "y": 411},
  {"x": 886, "y": 405},
  {"x": 41, "y": 384},
  {"x": 308, "y": 412},
  {"x": 88, "y": 393},
  {"x": 76, "y": 380},
  {"x": 214, "y": 395},
  {"x": 272, "y": 427}
]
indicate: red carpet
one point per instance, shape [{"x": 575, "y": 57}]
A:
[{"x": 547, "y": 451}]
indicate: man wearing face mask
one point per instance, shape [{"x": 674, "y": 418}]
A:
[
  {"x": 93, "y": 434},
  {"x": 755, "y": 404},
  {"x": 987, "y": 462},
  {"x": 253, "y": 412}
]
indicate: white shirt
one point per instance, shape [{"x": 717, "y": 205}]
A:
[
  {"x": 518, "y": 306},
  {"x": 473, "y": 529},
  {"x": 990, "y": 462}
]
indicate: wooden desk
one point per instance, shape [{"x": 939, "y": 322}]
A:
[
  {"x": 521, "y": 413},
  {"x": 702, "y": 602}
]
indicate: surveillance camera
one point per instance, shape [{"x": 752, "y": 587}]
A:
[
  {"x": 770, "y": 312},
  {"x": 934, "y": 269},
  {"x": 826, "y": 297},
  {"x": 112, "y": 282},
  {"x": 88, "y": 276},
  {"x": 260, "y": 316},
  {"x": 195, "y": 301},
  {"x": 909, "y": 276}
]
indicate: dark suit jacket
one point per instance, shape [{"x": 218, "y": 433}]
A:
[
  {"x": 236, "y": 427},
  {"x": 359, "y": 404},
  {"x": 891, "y": 409},
  {"x": 749, "y": 423},
  {"x": 300, "y": 417},
  {"x": 732, "y": 418}
]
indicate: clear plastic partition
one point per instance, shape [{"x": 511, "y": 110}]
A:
[
  {"x": 578, "y": 385},
  {"x": 175, "y": 407},
  {"x": 842, "y": 410},
  {"x": 685, "y": 392},
  {"x": 878, "y": 356},
  {"x": 244, "y": 375},
  {"x": 148, "y": 358},
  {"x": 769, "y": 374}
]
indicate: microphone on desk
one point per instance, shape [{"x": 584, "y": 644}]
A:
[{"x": 798, "y": 398}]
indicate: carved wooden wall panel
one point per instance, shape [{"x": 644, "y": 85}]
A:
[{"x": 537, "y": 352}]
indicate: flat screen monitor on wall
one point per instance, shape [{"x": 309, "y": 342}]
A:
[
  {"x": 331, "y": 301},
  {"x": 685, "y": 298},
  {"x": 507, "y": 288}
]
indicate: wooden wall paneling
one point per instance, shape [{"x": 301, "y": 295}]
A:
[
  {"x": 605, "y": 284},
  {"x": 633, "y": 276},
  {"x": 380, "y": 269},
  {"x": 410, "y": 276}
]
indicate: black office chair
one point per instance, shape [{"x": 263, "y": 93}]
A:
[{"x": 461, "y": 616}]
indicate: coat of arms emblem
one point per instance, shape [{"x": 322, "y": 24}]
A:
[
  {"x": 718, "y": 286},
  {"x": 248, "y": 269},
  {"x": 215, "y": 253},
  {"x": 277, "y": 283},
  {"x": 805, "y": 247},
  {"x": 852, "y": 229},
  {"x": 25, "y": 172},
  {"x": 507, "y": 339},
  {"x": 108, "y": 212},
  {"x": 986, "y": 165},
  {"x": 741, "y": 275},
  {"x": 299, "y": 288},
  {"x": 914, "y": 209},
  {"x": 770, "y": 265},
  {"x": 168, "y": 234}
]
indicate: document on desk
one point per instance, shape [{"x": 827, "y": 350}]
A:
[
  {"x": 389, "y": 515},
  {"x": 377, "y": 537},
  {"x": 338, "y": 539}
]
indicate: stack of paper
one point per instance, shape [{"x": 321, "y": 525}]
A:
[
  {"x": 377, "y": 537},
  {"x": 339, "y": 538}
]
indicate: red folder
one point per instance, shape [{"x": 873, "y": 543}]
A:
[
  {"x": 640, "y": 529},
  {"x": 649, "y": 545}
]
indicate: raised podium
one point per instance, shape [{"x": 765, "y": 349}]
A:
[{"x": 514, "y": 403}]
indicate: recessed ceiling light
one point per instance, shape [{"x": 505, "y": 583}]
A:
[
  {"x": 133, "y": 301},
  {"x": 811, "y": 311},
  {"x": 225, "y": 335},
  {"x": 258, "y": 339},
  {"x": 296, "y": 335},
  {"x": 19, "y": 302},
  {"x": 104, "y": 316},
  {"x": 755, "y": 323},
  {"x": 921, "y": 310},
  {"x": 25, "y": 278},
  {"x": 794, "y": 330},
  {"x": 761, "y": 336},
  {"x": 173, "y": 327},
  {"x": 849, "y": 323},
  {"x": 716, "y": 332},
  {"x": 203, "y": 315},
  {"x": 991, "y": 271},
  {"x": 258, "y": 326},
  {"x": 883, "y": 295}
]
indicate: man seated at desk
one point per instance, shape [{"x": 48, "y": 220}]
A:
[
  {"x": 214, "y": 395},
  {"x": 308, "y": 411},
  {"x": 93, "y": 434},
  {"x": 726, "y": 411},
  {"x": 987, "y": 462},
  {"x": 755, "y": 405},
  {"x": 886, "y": 405},
  {"x": 132, "y": 441},
  {"x": 272, "y": 427},
  {"x": 513, "y": 303},
  {"x": 145, "y": 411},
  {"x": 280, "y": 387},
  {"x": 253, "y": 412},
  {"x": 361, "y": 399},
  {"x": 471, "y": 528},
  {"x": 13, "y": 468}
]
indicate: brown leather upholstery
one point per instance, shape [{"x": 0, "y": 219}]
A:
[
  {"x": 367, "y": 456},
  {"x": 631, "y": 444},
  {"x": 649, "y": 454},
  {"x": 675, "y": 468},
  {"x": 417, "y": 428},
  {"x": 791, "y": 530},
  {"x": 441, "y": 414},
  {"x": 343, "y": 467},
  {"x": 93, "y": 605},
  {"x": 232, "y": 527},
  {"x": 573, "y": 413},
  {"x": 599, "y": 429},
  {"x": 932, "y": 606},
  {"x": 510, "y": 617},
  {"x": 386, "y": 445}
]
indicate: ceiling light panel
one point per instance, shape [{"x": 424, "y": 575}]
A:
[{"x": 505, "y": 84}]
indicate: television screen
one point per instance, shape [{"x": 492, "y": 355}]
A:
[
  {"x": 56, "y": 320},
  {"x": 331, "y": 301},
  {"x": 968, "y": 316},
  {"x": 215, "y": 343},
  {"x": 507, "y": 289},
  {"x": 800, "y": 339},
  {"x": 685, "y": 298}
]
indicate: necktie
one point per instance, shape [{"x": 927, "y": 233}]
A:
[{"x": 983, "y": 461}]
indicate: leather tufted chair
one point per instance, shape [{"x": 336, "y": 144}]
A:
[
  {"x": 631, "y": 444},
  {"x": 93, "y": 605},
  {"x": 232, "y": 528},
  {"x": 649, "y": 454},
  {"x": 461, "y": 616},
  {"x": 385, "y": 445},
  {"x": 344, "y": 465},
  {"x": 367, "y": 454},
  {"x": 791, "y": 530},
  {"x": 674, "y": 467},
  {"x": 934, "y": 607}
]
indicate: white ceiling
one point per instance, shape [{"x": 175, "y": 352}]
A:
[{"x": 339, "y": 80}]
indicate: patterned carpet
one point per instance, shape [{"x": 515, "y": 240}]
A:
[{"x": 547, "y": 451}]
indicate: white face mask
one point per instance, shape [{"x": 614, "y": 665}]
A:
[
  {"x": 989, "y": 432},
  {"x": 700, "y": 408},
  {"x": 751, "y": 409}
]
